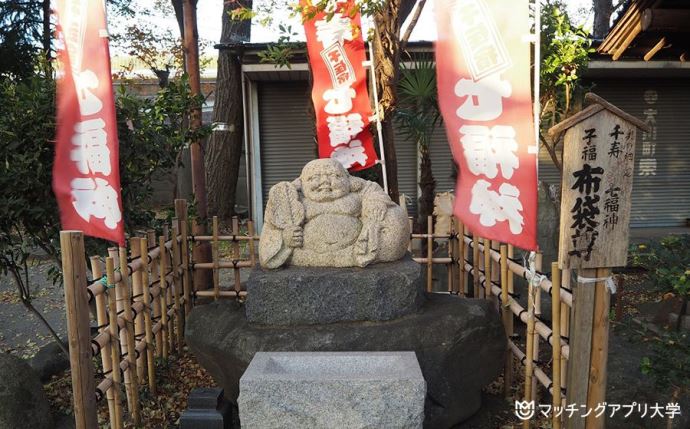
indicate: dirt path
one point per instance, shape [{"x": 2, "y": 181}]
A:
[{"x": 21, "y": 333}]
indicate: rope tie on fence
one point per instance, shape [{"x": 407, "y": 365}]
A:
[{"x": 610, "y": 282}]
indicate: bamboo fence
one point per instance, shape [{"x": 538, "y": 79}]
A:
[
  {"x": 143, "y": 294},
  {"x": 480, "y": 268}
]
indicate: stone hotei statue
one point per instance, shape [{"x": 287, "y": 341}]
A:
[{"x": 327, "y": 218}]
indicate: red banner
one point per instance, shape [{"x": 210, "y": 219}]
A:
[
  {"x": 341, "y": 101},
  {"x": 86, "y": 177},
  {"x": 483, "y": 70}
]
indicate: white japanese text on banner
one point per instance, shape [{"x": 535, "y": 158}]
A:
[{"x": 483, "y": 69}]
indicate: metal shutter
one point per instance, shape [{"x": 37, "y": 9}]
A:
[
  {"x": 407, "y": 170},
  {"x": 287, "y": 141},
  {"x": 662, "y": 200}
]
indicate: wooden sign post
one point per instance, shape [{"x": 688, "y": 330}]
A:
[{"x": 598, "y": 167}]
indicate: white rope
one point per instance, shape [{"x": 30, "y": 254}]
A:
[{"x": 610, "y": 283}]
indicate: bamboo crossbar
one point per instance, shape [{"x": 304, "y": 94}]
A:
[
  {"x": 97, "y": 288},
  {"x": 538, "y": 371},
  {"x": 545, "y": 284},
  {"x": 222, "y": 264},
  {"x": 221, "y": 293},
  {"x": 224, "y": 237},
  {"x": 544, "y": 331}
]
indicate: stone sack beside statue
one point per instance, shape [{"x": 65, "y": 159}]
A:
[{"x": 327, "y": 218}]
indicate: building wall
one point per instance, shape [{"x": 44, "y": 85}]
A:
[{"x": 661, "y": 187}]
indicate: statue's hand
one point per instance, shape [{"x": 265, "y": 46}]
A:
[
  {"x": 366, "y": 246},
  {"x": 293, "y": 236},
  {"x": 375, "y": 211}
]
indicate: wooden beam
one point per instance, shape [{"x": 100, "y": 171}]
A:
[
  {"x": 635, "y": 30},
  {"x": 581, "y": 347},
  {"x": 666, "y": 20},
  {"x": 656, "y": 48}
]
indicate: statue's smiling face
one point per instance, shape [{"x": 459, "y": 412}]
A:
[{"x": 325, "y": 180}]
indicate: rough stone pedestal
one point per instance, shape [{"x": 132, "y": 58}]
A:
[
  {"x": 302, "y": 295},
  {"x": 323, "y": 390},
  {"x": 460, "y": 344}
]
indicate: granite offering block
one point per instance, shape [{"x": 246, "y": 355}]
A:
[{"x": 332, "y": 389}]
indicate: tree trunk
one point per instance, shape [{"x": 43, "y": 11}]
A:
[
  {"x": 602, "y": 17},
  {"x": 224, "y": 147},
  {"x": 387, "y": 58},
  {"x": 427, "y": 184}
]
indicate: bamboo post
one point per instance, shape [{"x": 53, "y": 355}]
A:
[
  {"x": 475, "y": 265},
  {"x": 106, "y": 353},
  {"x": 113, "y": 329},
  {"x": 511, "y": 290},
  {"x": 565, "y": 328},
  {"x": 164, "y": 297},
  {"x": 124, "y": 300},
  {"x": 252, "y": 255},
  {"x": 537, "y": 315},
  {"x": 215, "y": 258},
  {"x": 462, "y": 278},
  {"x": 465, "y": 254},
  {"x": 450, "y": 266},
  {"x": 580, "y": 346},
  {"x": 487, "y": 268},
  {"x": 148, "y": 324},
  {"x": 429, "y": 253},
  {"x": 137, "y": 296},
  {"x": 78, "y": 332},
  {"x": 156, "y": 278},
  {"x": 236, "y": 253},
  {"x": 411, "y": 224},
  {"x": 506, "y": 314},
  {"x": 179, "y": 328},
  {"x": 529, "y": 363},
  {"x": 556, "y": 343},
  {"x": 495, "y": 271},
  {"x": 596, "y": 394},
  {"x": 114, "y": 255},
  {"x": 186, "y": 278}
]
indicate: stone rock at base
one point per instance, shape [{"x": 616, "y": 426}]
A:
[
  {"x": 315, "y": 389},
  {"x": 23, "y": 403},
  {"x": 49, "y": 361},
  {"x": 460, "y": 345},
  {"x": 326, "y": 295}
]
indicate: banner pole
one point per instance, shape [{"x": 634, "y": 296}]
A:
[{"x": 379, "y": 133}]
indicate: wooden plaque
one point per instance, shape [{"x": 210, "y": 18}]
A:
[{"x": 598, "y": 167}]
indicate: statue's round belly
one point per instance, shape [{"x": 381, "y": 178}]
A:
[{"x": 331, "y": 232}]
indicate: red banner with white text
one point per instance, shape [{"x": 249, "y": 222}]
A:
[
  {"x": 86, "y": 177},
  {"x": 341, "y": 101},
  {"x": 483, "y": 70}
]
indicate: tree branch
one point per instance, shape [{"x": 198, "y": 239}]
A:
[
  {"x": 552, "y": 152},
  {"x": 413, "y": 23}
]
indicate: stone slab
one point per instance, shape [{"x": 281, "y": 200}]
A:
[
  {"x": 327, "y": 295},
  {"x": 460, "y": 344},
  {"x": 317, "y": 389}
]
